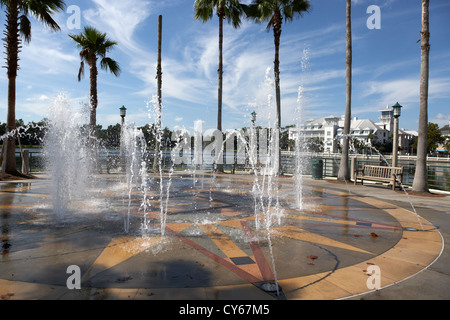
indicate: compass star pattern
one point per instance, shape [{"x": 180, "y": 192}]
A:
[{"x": 215, "y": 242}]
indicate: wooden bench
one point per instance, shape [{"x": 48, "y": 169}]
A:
[{"x": 380, "y": 173}]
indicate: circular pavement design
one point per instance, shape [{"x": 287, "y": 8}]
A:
[{"x": 206, "y": 240}]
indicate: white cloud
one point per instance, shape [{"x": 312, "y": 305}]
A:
[
  {"x": 407, "y": 89},
  {"x": 441, "y": 119},
  {"x": 47, "y": 53},
  {"x": 50, "y": 60},
  {"x": 37, "y": 107},
  {"x": 42, "y": 97},
  {"x": 119, "y": 19}
]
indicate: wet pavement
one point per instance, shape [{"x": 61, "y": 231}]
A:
[{"x": 212, "y": 238}]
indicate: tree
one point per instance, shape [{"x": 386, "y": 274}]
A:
[
  {"x": 383, "y": 147},
  {"x": 315, "y": 145},
  {"x": 18, "y": 29},
  {"x": 231, "y": 10},
  {"x": 285, "y": 142},
  {"x": 420, "y": 183},
  {"x": 447, "y": 143},
  {"x": 274, "y": 11},
  {"x": 344, "y": 172},
  {"x": 434, "y": 138},
  {"x": 94, "y": 45}
]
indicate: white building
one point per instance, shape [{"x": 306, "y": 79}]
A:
[
  {"x": 330, "y": 130},
  {"x": 445, "y": 132}
]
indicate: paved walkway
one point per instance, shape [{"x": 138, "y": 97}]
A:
[{"x": 214, "y": 239}]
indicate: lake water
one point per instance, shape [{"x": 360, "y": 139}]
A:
[{"x": 438, "y": 171}]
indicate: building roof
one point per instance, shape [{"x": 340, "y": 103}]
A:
[
  {"x": 386, "y": 109},
  {"x": 355, "y": 124},
  {"x": 322, "y": 120},
  {"x": 445, "y": 129},
  {"x": 409, "y": 132},
  {"x": 362, "y": 124}
]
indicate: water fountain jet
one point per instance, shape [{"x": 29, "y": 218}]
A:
[{"x": 66, "y": 154}]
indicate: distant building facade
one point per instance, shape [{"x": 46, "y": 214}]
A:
[
  {"x": 329, "y": 130},
  {"x": 445, "y": 132}
]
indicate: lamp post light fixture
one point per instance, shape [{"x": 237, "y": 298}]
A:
[
  {"x": 253, "y": 131},
  {"x": 253, "y": 117},
  {"x": 397, "y": 111},
  {"x": 253, "y": 138},
  {"x": 123, "y": 113}
]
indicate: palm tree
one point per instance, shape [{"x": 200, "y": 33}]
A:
[
  {"x": 94, "y": 45},
  {"x": 18, "y": 29},
  {"x": 420, "y": 183},
  {"x": 274, "y": 11},
  {"x": 231, "y": 10},
  {"x": 344, "y": 172}
]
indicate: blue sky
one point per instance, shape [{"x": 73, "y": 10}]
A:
[{"x": 386, "y": 64}]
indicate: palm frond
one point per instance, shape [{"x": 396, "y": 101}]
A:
[
  {"x": 79, "y": 39},
  {"x": 105, "y": 46},
  {"x": 270, "y": 24},
  {"x": 46, "y": 19},
  {"x": 85, "y": 54},
  {"x": 204, "y": 10},
  {"x": 204, "y": 14},
  {"x": 95, "y": 44},
  {"x": 111, "y": 65},
  {"x": 43, "y": 11},
  {"x": 81, "y": 71},
  {"x": 264, "y": 10},
  {"x": 93, "y": 36},
  {"x": 233, "y": 10},
  {"x": 108, "y": 44},
  {"x": 295, "y": 8},
  {"x": 25, "y": 28}
]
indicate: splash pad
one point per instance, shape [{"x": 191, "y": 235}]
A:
[{"x": 212, "y": 249}]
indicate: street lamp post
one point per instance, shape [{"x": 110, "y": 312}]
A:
[
  {"x": 397, "y": 111},
  {"x": 253, "y": 118},
  {"x": 123, "y": 113},
  {"x": 253, "y": 130},
  {"x": 253, "y": 137}
]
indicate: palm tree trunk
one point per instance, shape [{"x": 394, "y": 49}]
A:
[
  {"x": 156, "y": 158},
  {"x": 12, "y": 50},
  {"x": 277, "y": 22},
  {"x": 94, "y": 100},
  {"x": 420, "y": 183},
  {"x": 93, "y": 147},
  {"x": 344, "y": 172},
  {"x": 221, "y": 14}
]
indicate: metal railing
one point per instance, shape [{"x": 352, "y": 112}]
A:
[{"x": 438, "y": 168}]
